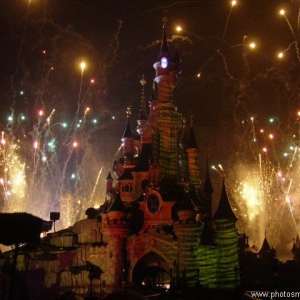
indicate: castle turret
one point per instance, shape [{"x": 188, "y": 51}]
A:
[
  {"x": 226, "y": 239},
  {"x": 116, "y": 230},
  {"x": 187, "y": 230},
  {"x": 126, "y": 164}
]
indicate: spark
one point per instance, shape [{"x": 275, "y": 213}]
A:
[
  {"x": 233, "y": 3},
  {"x": 82, "y": 66},
  {"x": 96, "y": 183},
  {"x": 280, "y": 55},
  {"x": 252, "y": 45}
]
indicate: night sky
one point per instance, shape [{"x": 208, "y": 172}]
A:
[{"x": 120, "y": 41}]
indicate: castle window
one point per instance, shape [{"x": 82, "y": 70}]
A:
[
  {"x": 153, "y": 204},
  {"x": 127, "y": 188}
]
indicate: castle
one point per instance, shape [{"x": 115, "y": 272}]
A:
[{"x": 156, "y": 226}]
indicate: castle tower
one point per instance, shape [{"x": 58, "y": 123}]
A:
[
  {"x": 126, "y": 163},
  {"x": 116, "y": 230},
  {"x": 164, "y": 118},
  {"x": 187, "y": 230},
  {"x": 226, "y": 239},
  {"x": 192, "y": 150}
]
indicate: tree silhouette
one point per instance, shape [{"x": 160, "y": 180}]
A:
[{"x": 17, "y": 229}]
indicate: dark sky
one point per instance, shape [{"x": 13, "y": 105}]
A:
[{"x": 120, "y": 41}]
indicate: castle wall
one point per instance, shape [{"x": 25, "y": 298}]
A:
[
  {"x": 187, "y": 232},
  {"x": 158, "y": 242},
  {"x": 207, "y": 263}
]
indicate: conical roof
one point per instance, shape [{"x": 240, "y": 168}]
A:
[
  {"x": 265, "y": 247},
  {"x": 109, "y": 177},
  {"x": 127, "y": 132},
  {"x": 117, "y": 205},
  {"x": 164, "y": 50},
  {"x": 224, "y": 210}
]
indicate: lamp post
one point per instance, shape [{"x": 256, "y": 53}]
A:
[{"x": 54, "y": 216}]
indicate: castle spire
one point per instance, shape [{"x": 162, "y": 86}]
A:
[
  {"x": 127, "y": 132},
  {"x": 143, "y": 127},
  {"x": 127, "y": 139},
  {"x": 142, "y": 113},
  {"x": 265, "y": 246},
  {"x": 164, "y": 50}
]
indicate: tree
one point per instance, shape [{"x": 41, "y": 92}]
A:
[{"x": 17, "y": 229}]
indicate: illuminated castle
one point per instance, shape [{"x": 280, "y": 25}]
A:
[{"x": 156, "y": 226}]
